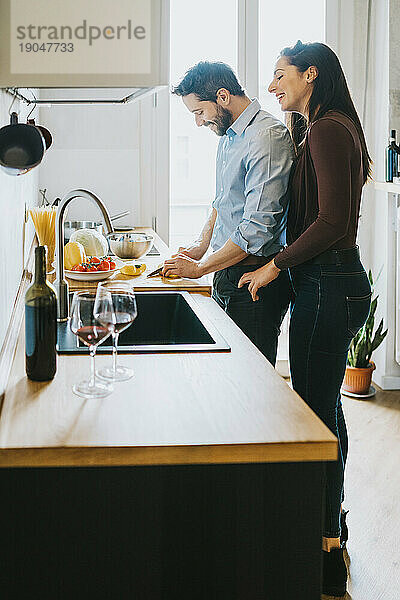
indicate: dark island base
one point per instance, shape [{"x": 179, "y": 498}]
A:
[{"x": 209, "y": 532}]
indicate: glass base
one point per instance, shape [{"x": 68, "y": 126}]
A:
[
  {"x": 98, "y": 390},
  {"x": 121, "y": 374}
]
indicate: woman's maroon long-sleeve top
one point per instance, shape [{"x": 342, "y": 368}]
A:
[{"x": 325, "y": 191}]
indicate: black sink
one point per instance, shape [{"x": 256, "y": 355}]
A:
[{"x": 166, "y": 322}]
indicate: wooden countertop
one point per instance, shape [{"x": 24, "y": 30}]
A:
[
  {"x": 141, "y": 283},
  {"x": 179, "y": 409}
]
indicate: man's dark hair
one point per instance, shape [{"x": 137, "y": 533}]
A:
[{"x": 206, "y": 78}]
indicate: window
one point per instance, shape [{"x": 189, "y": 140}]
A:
[
  {"x": 210, "y": 32},
  {"x": 221, "y": 31},
  {"x": 207, "y": 31},
  {"x": 281, "y": 25}
]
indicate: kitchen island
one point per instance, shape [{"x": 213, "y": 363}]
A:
[{"x": 201, "y": 478}]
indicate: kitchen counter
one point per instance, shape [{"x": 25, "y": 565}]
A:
[
  {"x": 179, "y": 409},
  {"x": 195, "y": 479}
]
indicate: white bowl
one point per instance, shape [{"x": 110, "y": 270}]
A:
[{"x": 90, "y": 275}]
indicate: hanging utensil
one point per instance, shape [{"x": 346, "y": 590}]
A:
[
  {"x": 44, "y": 201},
  {"x": 48, "y": 138},
  {"x": 21, "y": 147}
]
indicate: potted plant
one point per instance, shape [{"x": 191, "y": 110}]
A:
[{"x": 359, "y": 367}]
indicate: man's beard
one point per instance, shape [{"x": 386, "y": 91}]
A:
[{"x": 222, "y": 121}]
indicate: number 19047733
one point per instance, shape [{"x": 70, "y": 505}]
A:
[{"x": 47, "y": 47}]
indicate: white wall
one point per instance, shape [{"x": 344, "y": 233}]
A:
[
  {"x": 112, "y": 150},
  {"x": 116, "y": 151},
  {"x": 15, "y": 235},
  {"x": 368, "y": 65},
  {"x": 394, "y": 71},
  {"x": 382, "y": 224},
  {"x": 376, "y": 92},
  {"x": 94, "y": 147}
]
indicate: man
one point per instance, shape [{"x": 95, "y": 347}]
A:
[{"x": 246, "y": 228}]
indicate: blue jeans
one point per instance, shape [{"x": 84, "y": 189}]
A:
[
  {"x": 261, "y": 320},
  {"x": 330, "y": 304}
]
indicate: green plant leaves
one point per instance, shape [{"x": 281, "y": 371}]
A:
[{"x": 364, "y": 343}]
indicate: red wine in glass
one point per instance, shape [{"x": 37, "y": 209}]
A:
[
  {"x": 85, "y": 323},
  {"x": 122, "y": 320},
  {"x": 125, "y": 312},
  {"x": 92, "y": 335}
]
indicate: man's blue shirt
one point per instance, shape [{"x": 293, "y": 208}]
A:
[{"x": 254, "y": 159}]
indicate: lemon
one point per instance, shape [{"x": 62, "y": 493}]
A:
[
  {"x": 133, "y": 270},
  {"x": 74, "y": 254}
]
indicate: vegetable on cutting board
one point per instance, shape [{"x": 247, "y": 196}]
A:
[
  {"x": 74, "y": 253},
  {"x": 133, "y": 270},
  {"x": 94, "y": 243}
]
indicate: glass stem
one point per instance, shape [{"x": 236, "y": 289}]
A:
[
  {"x": 92, "y": 352},
  {"x": 115, "y": 351}
]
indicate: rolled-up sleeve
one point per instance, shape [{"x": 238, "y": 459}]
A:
[{"x": 267, "y": 166}]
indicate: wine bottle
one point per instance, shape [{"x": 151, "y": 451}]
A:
[
  {"x": 40, "y": 324},
  {"x": 392, "y": 157}
]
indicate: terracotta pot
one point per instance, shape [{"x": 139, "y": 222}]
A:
[{"x": 358, "y": 380}]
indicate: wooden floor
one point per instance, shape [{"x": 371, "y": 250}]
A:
[{"x": 372, "y": 495}]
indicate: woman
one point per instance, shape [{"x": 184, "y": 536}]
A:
[{"x": 331, "y": 289}]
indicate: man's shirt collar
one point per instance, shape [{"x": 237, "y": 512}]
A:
[{"x": 244, "y": 118}]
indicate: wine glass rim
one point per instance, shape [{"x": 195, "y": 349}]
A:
[
  {"x": 85, "y": 293},
  {"x": 123, "y": 286},
  {"x": 114, "y": 283}
]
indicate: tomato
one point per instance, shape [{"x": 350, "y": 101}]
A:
[
  {"x": 104, "y": 266},
  {"x": 92, "y": 268},
  {"x": 81, "y": 268},
  {"x": 75, "y": 268},
  {"x": 95, "y": 261},
  {"x": 112, "y": 264}
]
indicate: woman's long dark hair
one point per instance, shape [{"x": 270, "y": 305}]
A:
[{"x": 330, "y": 92}]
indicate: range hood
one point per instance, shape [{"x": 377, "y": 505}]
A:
[
  {"x": 76, "y": 96},
  {"x": 112, "y": 52}
]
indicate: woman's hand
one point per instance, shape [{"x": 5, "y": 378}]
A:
[{"x": 259, "y": 278}]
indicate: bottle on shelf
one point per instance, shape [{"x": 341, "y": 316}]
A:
[
  {"x": 40, "y": 324},
  {"x": 392, "y": 158}
]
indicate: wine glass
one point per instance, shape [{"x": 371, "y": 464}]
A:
[
  {"x": 125, "y": 311},
  {"x": 86, "y": 312}
]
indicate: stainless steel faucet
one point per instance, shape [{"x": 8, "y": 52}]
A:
[{"x": 61, "y": 286}]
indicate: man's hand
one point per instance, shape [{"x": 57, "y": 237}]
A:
[
  {"x": 259, "y": 278},
  {"x": 195, "y": 251},
  {"x": 200, "y": 246},
  {"x": 186, "y": 266},
  {"x": 183, "y": 266}
]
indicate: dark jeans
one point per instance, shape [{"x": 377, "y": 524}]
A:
[
  {"x": 330, "y": 305},
  {"x": 261, "y": 320}
]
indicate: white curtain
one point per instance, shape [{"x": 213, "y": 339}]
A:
[{"x": 358, "y": 32}]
